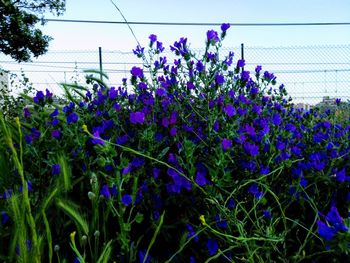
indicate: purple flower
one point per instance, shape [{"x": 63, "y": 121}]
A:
[
  {"x": 173, "y": 131},
  {"x": 325, "y": 231},
  {"x": 68, "y": 108},
  {"x": 190, "y": 85},
  {"x": 240, "y": 63},
  {"x": 212, "y": 36},
  {"x": 56, "y": 134},
  {"x": 48, "y": 94},
  {"x": 72, "y": 118},
  {"x": 4, "y": 217},
  {"x": 26, "y": 113},
  {"x": 35, "y": 134},
  {"x": 269, "y": 76},
  {"x": 7, "y": 194},
  {"x": 226, "y": 144},
  {"x": 117, "y": 106},
  {"x": 250, "y": 130},
  {"x": 142, "y": 254},
  {"x": 127, "y": 199},
  {"x": 165, "y": 121},
  {"x": 257, "y": 109},
  {"x": 216, "y": 126},
  {"x": 199, "y": 66},
  {"x": 264, "y": 170},
  {"x": 172, "y": 158},
  {"x": 160, "y": 47},
  {"x": 54, "y": 122},
  {"x": 28, "y": 139},
  {"x": 173, "y": 117},
  {"x": 303, "y": 182},
  {"x": 142, "y": 86},
  {"x": 29, "y": 187},
  {"x": 139, "y": 51},
  {"x": 55, "y": 169},
  {"x": 137, "y": 117},
  {"x": 336, "y": 220},
  {"x": 221, "y": 223},
  {"x": 341, "y": 175},
  {"x": 97, "y": 139},
  {"x": 137, "y": 162},
  {"x": 230, "y": 110},
  {"x": 127, "y": 169},
  {"x": 112, "y": 93},
  {"x": 160, "y": 92},
  {"x": 200, "y": 178},
  {"x": 156, "y": 172},
  {"x": 105, "y": 191},
  {"x": 280, "y": 145},
  {"x": 267, "y": 214},
  {"x": 276, "y": 119},
  {"x": 122, "y": 139},
  {"x": 153, "y": 38},
  {"x": 39, "y": 97},
  {"x": 245, "y": 75},
  {"x": 54, "y": 113},
  {"x": 249, "y": 165},
  {"x": 337, "y": 101},
  {"x": 254, "y": 190},
  {"x": 251, "y": 149},
  {"x": 136, "y": 72},
  {"x": 231, "y": 203},
  {"x": 258, "y": 69},
  {"x": 212, "y": 246},
  {"x": 191, "y": 233},
  {"x": 225, "y": 26},
  {"x": 220, "y": 79}
]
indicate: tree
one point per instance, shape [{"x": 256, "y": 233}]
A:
[{"x": 19, "y": 37}]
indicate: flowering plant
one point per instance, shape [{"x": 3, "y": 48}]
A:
[{"x": 197, "y": 161}]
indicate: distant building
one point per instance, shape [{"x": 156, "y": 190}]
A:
[
  {"x": 303, "y": 106},
  {"x": 327, "y": 102}
]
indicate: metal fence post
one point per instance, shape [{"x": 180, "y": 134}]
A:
[
  {"x": 100, "y": 60},
  {"x": 242, "y": 53}
]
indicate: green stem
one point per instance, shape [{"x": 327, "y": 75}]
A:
[{"x": 26, "y": 201}]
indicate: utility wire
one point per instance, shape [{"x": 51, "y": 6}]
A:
[{"x": 196, "y": 24}]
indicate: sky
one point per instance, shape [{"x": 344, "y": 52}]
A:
[
  {"x": 70, "y": 36},
  {"x": 307, "y": 58}
]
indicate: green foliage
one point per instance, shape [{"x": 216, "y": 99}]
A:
[
  {"x": 20, "y": 39},
  {"x": 200, "y": 161}
]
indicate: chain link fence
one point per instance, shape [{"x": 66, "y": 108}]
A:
[{"x": 309, "y": 73}]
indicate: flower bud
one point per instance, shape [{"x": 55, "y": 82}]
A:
[
  {"x": 83, "y": 240},
  {"x": 93, "y": 179},
  {"x": 91, "y": 195},
  {"x": 56, "y": 248}
]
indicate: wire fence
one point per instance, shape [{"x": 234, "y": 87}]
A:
[{"x": 309, "y": 73}]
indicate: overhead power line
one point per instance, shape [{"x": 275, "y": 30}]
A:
[{"x": 196, "y": 24}]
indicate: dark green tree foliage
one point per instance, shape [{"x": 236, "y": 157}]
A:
[{"x": 19, "y": 36}]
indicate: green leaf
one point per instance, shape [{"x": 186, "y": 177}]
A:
[
  {"x": 139, "y": 218},
  {"x": 106, "y": 253},
  {"x": 72, "y": 211},
  {"x": 163, "y": 153}
]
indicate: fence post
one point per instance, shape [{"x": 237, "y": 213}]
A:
[
  {"x": 100, "y": 59},
  {"x": 242, "y": 53}
]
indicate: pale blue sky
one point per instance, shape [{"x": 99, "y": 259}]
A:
[
  {"x": 69, "y": 36},
  {"x": 309, "y": 73}
]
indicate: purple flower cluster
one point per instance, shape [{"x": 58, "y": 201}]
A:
[
  {"x": 201, "y": 133},
  {"x": 334, "y": 224}
]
